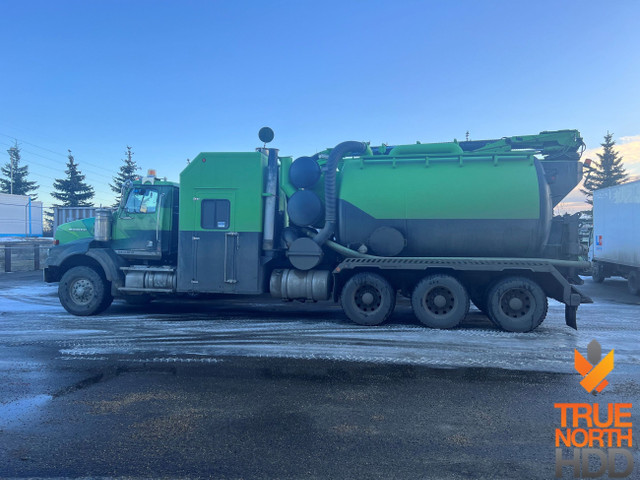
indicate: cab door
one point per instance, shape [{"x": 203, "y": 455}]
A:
[{"x": 135, "y": 230}]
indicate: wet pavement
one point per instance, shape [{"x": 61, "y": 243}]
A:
[{"x": 257, "y": 388}]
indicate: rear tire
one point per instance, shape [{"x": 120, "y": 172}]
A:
[
  {"x": 597, "y": 272},
  {"x": 517, "y": 304},
  {"x": 83, "y": 291},
  {"x": 368, "y": 299},
  {"x": 633, "y": 282},
  {"x": 440, "y": 301}
]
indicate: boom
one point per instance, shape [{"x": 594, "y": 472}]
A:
[{"x": 553, "y": 145}]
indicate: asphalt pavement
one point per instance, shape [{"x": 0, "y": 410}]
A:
[{"x": 255, "y": 388}]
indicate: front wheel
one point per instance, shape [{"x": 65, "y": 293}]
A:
[
  {"x": 83, "y": 291},
  {"x": 517, "y": 304},
  {"x": 368, "y": 299}
]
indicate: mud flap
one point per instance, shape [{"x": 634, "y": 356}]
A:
[{"x": 570, "y": 316}]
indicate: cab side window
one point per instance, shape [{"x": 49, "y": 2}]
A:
[
  {"x": 142, "y": 200},
  {"x": 215, "y": 214}
]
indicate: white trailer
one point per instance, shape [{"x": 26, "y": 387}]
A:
[{"x": 615, "y": 249}]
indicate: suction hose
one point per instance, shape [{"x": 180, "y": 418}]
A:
[{"x": 341, "y": 150}]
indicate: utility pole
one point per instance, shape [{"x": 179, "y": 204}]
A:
[{"x": 11, "y": 157}]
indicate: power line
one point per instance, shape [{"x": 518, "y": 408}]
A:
[
  {"x": 32, "y": 144},
  {"x": 36, "y": 173},
  {"x": 48, "y": 158},
  {"x": 51, "y": 151}
]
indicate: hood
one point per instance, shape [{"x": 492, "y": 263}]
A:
[{"x": 75, "y": 230}]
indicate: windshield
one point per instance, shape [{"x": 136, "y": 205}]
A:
[{"x": 141, "y": 200}]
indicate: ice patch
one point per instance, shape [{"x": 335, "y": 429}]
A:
[{"x": 19, "y": 411}]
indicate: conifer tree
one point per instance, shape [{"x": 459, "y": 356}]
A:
[
  {"x": 127, "y": 172},
  {"x": 14, "y": 177},
  {"x": 606, "y": 172},
  {"x": 72, "y": 191}
]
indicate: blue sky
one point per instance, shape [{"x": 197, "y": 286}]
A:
[{"x": 173, "y": 78}]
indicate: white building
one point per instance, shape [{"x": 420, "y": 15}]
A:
[{"x": 20, "y": 216}]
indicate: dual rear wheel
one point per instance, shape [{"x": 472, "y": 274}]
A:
[
  {"x": 515, "y": 304},
  {"x": 440, "y": 301},
  {"x": 368, "y": 299}
]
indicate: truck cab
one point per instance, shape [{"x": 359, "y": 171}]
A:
[
  {"x": 145, "y": 225},
  {"x": 93, "y": 257}
]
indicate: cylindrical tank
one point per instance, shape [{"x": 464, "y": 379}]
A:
[
  {"x": 447, "y": 205},
  {"x": 304, "y": 172},
  {"x": 305, "y": 208},
  {"x": 102, "y": 225},
  {"x": 291, "y": 284}
]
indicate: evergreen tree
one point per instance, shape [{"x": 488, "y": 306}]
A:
[
  {"x": 127, "y": 172},
  {"x": 607, "y": 172},
  {"x": 15, "y": 177},
  {"x": 73, "y": 190},
  {"x": 47, "y": 222}
]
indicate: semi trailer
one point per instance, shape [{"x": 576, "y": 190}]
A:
[
  {"x": 615, "y": 249},
  {"x": 444, "y": 224}
]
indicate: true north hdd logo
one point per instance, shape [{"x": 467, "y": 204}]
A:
[
  {"x": 594, "y": 439},
  {"x": 594, "y": 370}
]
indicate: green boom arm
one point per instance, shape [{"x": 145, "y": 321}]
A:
[{"x": 553, "y": 145}]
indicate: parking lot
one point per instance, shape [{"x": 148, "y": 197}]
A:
[{"x": 248, "y": 388}]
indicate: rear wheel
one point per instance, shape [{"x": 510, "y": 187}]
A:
[
  {"x": 597, "y": 272},
  {"x": 440, "y": 301},
  {"x": 82, "y": 291},
  {"x": 368, "y": 299},
  {"x": 633, "y": 282},
  {"x": 517, "y": 304}
]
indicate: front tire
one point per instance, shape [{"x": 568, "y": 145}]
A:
[
  {"x": 517, "y": 304},
  {"x": 83, "y": 291},
  {"x": 368, "y": 299}
]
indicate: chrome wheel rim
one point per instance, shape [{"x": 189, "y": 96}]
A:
[{"x": 81, "y": 291}]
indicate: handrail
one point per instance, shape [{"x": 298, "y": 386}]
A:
[{"x": 158, "y": 218}]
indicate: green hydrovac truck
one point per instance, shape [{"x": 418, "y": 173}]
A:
[{"x": 442, "y": 223}]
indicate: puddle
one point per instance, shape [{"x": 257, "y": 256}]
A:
[{"x": 17, "y": 412}]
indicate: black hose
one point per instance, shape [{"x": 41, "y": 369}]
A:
[{"x": 342, "y": 149}]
